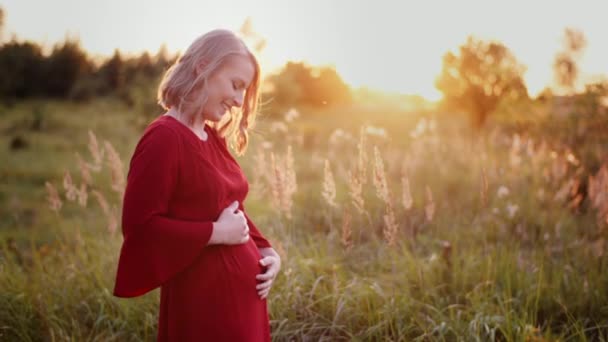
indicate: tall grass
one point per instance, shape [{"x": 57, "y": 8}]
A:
[{"x": 444, "y": 238}]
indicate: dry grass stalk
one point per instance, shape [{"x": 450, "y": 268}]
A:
[
  {"x": 276, "y": 184},
  {"x": 559, "y": 168},
  {"x": 562, "y": 194},
  {"x": 96, "y": 152},
  {"x": 292, "y": 184},
  {"x": 430, "y": 205},
  {"x": 101, "y": 200},
  {"x": 83, "y": 195},
  {"x": 514, "y": 153},
  {"x": 116, "y": 169},
  {"x": 358, "y": 178},
  {"x": 362, "y": 157},
  {"x": 355, "y": 190},
  {"x": 597, "y": 189},
  {"x": 381, "y": 184},
  {"x": 284, "y": 183},
  {"x": 110, "y": 213},
  {"x": 113, "y": 221},
  {"x": 85, "y": 173},
  {"x": 71, "y": 192},
  {"x": 346, "y": 236},
  {"x": 390, "y": 226},
  {"x": 446, "y": 252},
  {"x": 260, "y": 173},
  {"x": 407, "y": 199},
  {"x": 329, "y": 186},
  {"x": 484, "y": 188},
  {"x": 53, "y": 198}
]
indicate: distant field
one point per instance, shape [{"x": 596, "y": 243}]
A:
[{"x": 392, "y": 225}]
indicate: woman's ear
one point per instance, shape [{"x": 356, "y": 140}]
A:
[
  {"x": 200, "y": 66},
  {"x": 198, "y": 69}
]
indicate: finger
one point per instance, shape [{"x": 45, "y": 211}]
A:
[
  {"x": 266, "y": 261},
  {"x": 264, "y": 276},
  {"x": 264, "y": 293},
  {"x": 264, "y": 285}
]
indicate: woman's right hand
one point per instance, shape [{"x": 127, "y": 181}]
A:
[{"x": 230, "y": 228}]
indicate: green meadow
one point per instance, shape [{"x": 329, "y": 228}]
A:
[{"x": 392, "y": 225}]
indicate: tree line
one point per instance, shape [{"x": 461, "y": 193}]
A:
[{"x": 474, "y": 79}]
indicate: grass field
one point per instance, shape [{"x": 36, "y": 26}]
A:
[{"x": 391, "y": 225}]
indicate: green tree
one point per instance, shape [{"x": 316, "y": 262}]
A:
[
  {"x": 2, "y": 16},
  {"x": 477, "y": 78},
  {"x": 300, "y": 84},
  {"x": 112, "y": 72},
  {"x": 67, "y": 63},
  {"x": 21, "y": 70}
]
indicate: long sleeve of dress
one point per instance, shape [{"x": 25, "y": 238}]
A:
[{"x": 155, "y": 247}]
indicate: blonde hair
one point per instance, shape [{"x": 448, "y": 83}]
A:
[{"x": 192, "y": 70}]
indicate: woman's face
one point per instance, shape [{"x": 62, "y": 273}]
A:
[{"x": 226, "y": 87}]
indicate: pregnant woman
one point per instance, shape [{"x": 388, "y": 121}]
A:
[{"x": 184, "y": 225}]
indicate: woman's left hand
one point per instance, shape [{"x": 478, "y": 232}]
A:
[{"x": 272, "y": 261}]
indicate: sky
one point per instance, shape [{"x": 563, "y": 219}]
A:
[{"x": 387, "y": 45}]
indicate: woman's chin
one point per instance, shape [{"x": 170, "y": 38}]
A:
[{"x": 216, "y": 117}]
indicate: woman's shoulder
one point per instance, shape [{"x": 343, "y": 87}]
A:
[
  {"x": 160, "y": 133},
  {"x": 161, "y": 126}
]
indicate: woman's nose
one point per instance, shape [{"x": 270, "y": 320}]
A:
[{"x": 237, "y": 100}]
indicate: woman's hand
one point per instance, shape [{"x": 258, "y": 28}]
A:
[
  {"x": 230, "y": 228},
  {"x": 272, "y": 261}
]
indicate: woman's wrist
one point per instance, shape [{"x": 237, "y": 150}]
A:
[
  {"x": 268, "y": 251},
  {"x": 215, "y": 238}
]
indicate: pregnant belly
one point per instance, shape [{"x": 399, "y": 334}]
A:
[
  {"x": 217, "y": 295},
  {"x": 224, "y": 269}
]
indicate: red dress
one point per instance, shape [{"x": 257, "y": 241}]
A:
[{"x": 176, "y": 187}]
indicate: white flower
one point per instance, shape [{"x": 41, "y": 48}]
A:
[
  {"x": 503, "y": 191},
  {"x": 377, "y": 131},
  {"x": 291, "y": 115},
  {"x": 421, "y": 128},
  {"x": 278, "y": 126},
  {"x": 512, "y": 209}
]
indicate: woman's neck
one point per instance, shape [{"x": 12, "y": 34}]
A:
[{"x": 195, "y": 123}]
